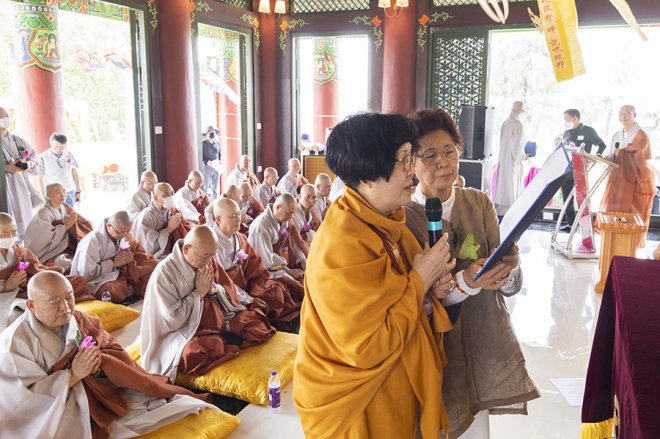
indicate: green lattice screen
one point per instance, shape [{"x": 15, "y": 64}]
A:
[
  {"x": 313, "y": 6},
  {"x": 437, "y": 3},
  {"x": 245, "y": 4},
  {"x": 458, "y": 69}
]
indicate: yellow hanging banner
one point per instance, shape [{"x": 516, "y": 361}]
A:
[{"x": 559, "y": 25}]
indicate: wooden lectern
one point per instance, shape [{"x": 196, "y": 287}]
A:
[{"x": 620, "y": 236}]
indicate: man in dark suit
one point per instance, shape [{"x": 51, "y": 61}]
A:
[{"x": 211, "y": 152}]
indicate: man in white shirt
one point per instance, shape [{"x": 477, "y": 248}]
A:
[{"x": 57, "y": 165}]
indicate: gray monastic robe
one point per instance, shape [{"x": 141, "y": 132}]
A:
[
  {"x": 287, "y": 185},
  {"x": 264, "y": 193},
  {"x": 43, "y": 406},
  {"x": 43, "y": 238},
  {"x": 486, "y": 367},
  {"x": 93, "y": 258},
  {"x": 183, "y": 201},
  {"x": 150, "y": 228},
  {"x": 510, "y": 164},
  {"x": 139, "y": 201}
]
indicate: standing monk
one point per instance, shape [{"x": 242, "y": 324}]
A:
[
  {"x": 111, "y": 258},
  {"x": 188, "y": 318},
  {"x": 631, "y": 186},
  {"x": 510, "y": 164}
]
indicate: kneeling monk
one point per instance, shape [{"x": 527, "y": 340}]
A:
[
  {"x": 69, "y": 378},
  {"x": 188, "y": 319}
]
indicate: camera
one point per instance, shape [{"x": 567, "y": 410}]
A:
[{"x": 21, "y": 165}]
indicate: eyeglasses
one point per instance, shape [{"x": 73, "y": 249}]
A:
[
  {"x": 119, "y": 232},
  {"x": 433, "y": 157},
  {"x": 406, "y": 162},
  {"x": 626, "y": 113}
]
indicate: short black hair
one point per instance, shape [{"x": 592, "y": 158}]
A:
[
  {"x": 363, "y": 146},
  {"x": 428, "y": 120},
  {"x": 573, "y": 113},
  {"x": 59, "y": 138}
]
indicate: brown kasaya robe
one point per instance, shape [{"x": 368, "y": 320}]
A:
[
  {"x": 136, "y": 273},
  {"x": 631, "y": 186},
  {"x": 180, "y": 232},
  {"x": 105, "y": 403},
  {"x": 78, "y": 231},
  {"x": 250, "y": 274},
  {"x": 78, "y": 283},
  {"x": 208, "y": 348},
  {"x": 284, "y": 246}
]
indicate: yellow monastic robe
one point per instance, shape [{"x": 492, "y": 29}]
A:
[{"x": 369, "y": 363}]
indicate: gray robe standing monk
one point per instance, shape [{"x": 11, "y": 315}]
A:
[
  {"x": 22, "y": 197},
  {"x": 142, "y": 197},
  {"x": 54, "y": 389},
  {"x": 510, "y": 176}
]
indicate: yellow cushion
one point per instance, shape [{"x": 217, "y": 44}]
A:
[
  {"x": 112, "y": 316},
  {"x": 245, "y": 377},
  {"x": 208, "y": 424}
]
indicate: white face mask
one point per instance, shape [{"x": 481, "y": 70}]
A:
[
  {"x": 5, "y": 122},
  {"x": 6, "y": 243},
  {"x": 168, "y": 203},
  {"x": 568, "y": 125}
]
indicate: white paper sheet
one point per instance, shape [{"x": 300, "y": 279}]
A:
[{"x": 572, "y": 389}]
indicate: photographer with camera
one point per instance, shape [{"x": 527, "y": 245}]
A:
[{"x": 20, "y": 159}]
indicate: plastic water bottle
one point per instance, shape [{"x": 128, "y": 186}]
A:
[
  {"x": 274, "y": 393},
  {"x": 106, "y": 297}
]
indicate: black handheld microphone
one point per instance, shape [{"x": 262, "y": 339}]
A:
[
  {"x": 616, "y": 145},
  {"x": 434, "y": 217}
]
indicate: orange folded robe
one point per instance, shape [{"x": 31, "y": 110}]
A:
[
  {"x": 369, "y": 363},
  {"x": 632, "y": 185}
]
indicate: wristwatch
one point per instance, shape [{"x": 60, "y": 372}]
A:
[{"x": 77, "y": 192}]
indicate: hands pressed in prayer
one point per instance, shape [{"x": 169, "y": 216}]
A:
[
  {"x": 443, "y": 286},
  {"x": 16, "y": 279},
  {"x": 204, "y": 281},
  {"x": 260, "y": 304},
  {"x": 86, "y": 362},
  {"x": 174, "y": 222},
  {"x": 433, "y": 263},
  {"x": 122, "y": 258},
  {"x": 294, "y": 273},
  {"x": 70, "y": 220}
]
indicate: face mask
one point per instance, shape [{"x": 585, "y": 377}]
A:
[
  {"x": 6, "y": 243},
  {"x": 5, "y": 122},
  {"x": 211, "y": 135},
  {"x": 568, "y": 125},
  {"x": 168, "y": 202}
]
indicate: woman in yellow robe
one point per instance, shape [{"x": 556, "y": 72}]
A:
[{"x": 368, "y": 363}]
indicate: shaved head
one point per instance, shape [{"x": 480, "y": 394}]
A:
[
  {"x": 294, "y": 166},
  {"x": 323, "y": 184},
  {"x": 232, "y": 192},
  {"x": 200, "y": 246},
  {"x": 307, "y": 196},
  {"x": 53, "y": 186},
  {"x": 224, "y": 206},
  {"x": 195, "y": 175},
  {"x": 148, "y": 176},
  {"x": 270, "y": 172},
  {"x": 163, "y": 190},
  {"x": 244, "y": 162},
  {"x": 3, "y": 113},
  {"x": 284, "y": 207},
  {"x": 6, "y": 219},
  {"x": 195, "y": 180},
  {"x": 285, "y": 200},
  {"x": 246, "y": 192},
  {"x": 308, "y": 189},
  {"x": 120, "y": 219},
  {"x": 51, "y": 299},
  {"x": 322, "y": 178}
]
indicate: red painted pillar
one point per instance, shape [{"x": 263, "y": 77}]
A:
[
  {"x": 229, "y": 123},
  {"x": 399, "y": 43},
  {"x": 179, "y": 118},
  {"x": 40, "y": 109},
  {"x": 326, "y": 86},
  {"x": 270, "y": 149}
]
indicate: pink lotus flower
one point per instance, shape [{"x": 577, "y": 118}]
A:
[
  {"x": 306, "y": 227},
  {"x": 123, "y": 245},
  {"x": 241, "y": 255},
  {"x": 250, "y": 212},
  {"x": 22, "y": 266},
  {"x": 70, "y": 162},
  {"x": 25, "y": 154},
  {"x": 88, "y": 342},
  {"x": 283, "y": 231}
]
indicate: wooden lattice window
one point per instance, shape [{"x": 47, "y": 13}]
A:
[
  {"x": 458, "y": 69},
  {"x": 244, "y": 4},
  {"x": 315, "y": 6},
  {"x": 438, "y": 3}
]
